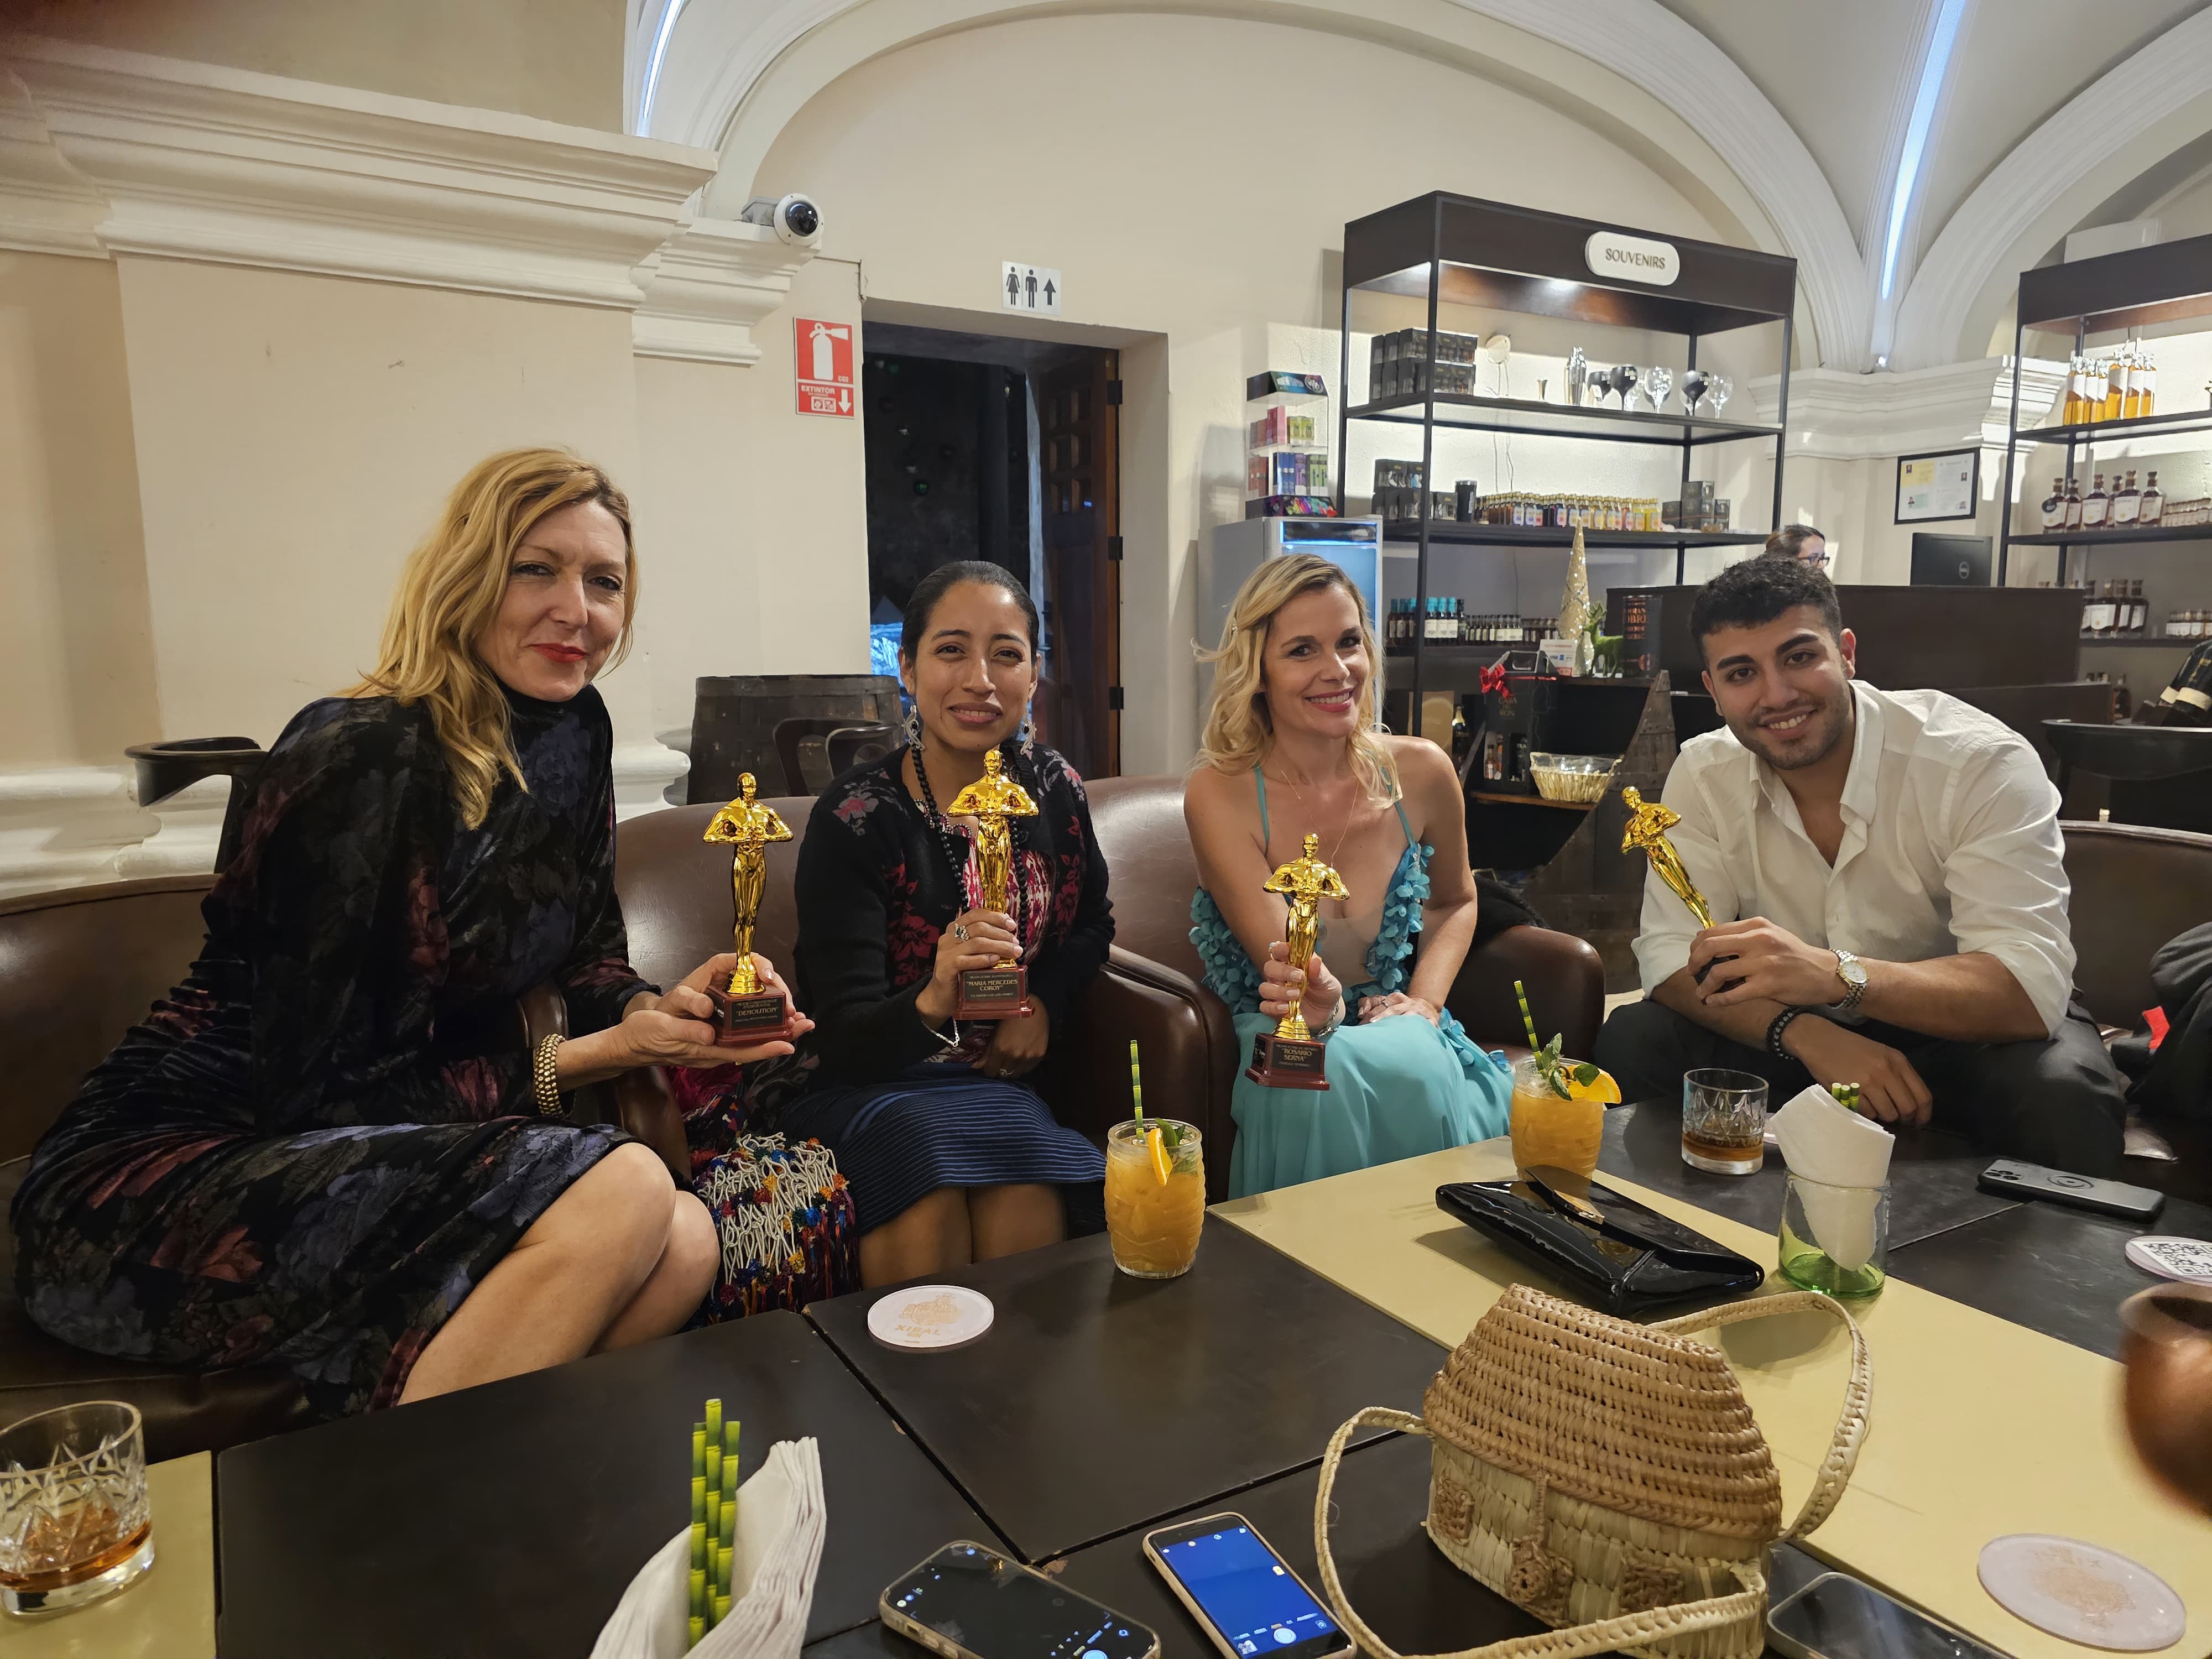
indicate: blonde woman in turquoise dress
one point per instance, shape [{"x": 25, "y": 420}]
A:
[{"x": 1291, "y": 749}]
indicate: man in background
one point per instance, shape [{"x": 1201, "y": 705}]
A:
[
  {"x": 1801, "y": 541},
  {"x": 1888, "y": 882}
]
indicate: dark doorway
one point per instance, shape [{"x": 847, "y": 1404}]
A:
[{"x": 1005, "y": 450}]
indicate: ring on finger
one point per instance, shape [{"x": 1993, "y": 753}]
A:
[{"x": 960, "y": 932}]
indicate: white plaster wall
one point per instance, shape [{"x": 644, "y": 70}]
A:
[
  {"x": 295, "y": 435},
  {"x": 752, "y": 517},
  {"x": 76, "y": 674},
  {"x": 1142, "y": 156}
]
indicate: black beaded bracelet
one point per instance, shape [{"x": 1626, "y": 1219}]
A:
[{"x": 1775, "y": 1030}]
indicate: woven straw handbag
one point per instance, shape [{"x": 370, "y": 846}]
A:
[{"x": 1608, "y": 1477}]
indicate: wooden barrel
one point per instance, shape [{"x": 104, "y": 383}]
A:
[{"x": 734, "y": 717}]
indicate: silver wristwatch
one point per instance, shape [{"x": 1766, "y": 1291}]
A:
[{"x": 1853, "y": 973}]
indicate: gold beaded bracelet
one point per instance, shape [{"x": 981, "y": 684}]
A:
[{"x": 545, "y": 1078}]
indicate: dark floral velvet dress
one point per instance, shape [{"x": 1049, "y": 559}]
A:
[
  {"x": 311, "y": 1151},
  {"x": 905, "y": 1113}
]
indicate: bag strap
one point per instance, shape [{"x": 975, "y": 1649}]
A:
[
  {"x": 1835, "y": 1471},
  {"x": 1626, "y": 1630}
]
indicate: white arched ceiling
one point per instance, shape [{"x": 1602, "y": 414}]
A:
[
  {"x": 2127, "y": 121},
  {"x": 737, "y": 70}
]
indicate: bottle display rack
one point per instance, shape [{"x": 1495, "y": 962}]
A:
[
  {"x": 2115, "y": 294},
  {"x": 1463, "y": 253}
]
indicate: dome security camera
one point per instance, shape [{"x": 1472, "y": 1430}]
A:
[{"x": 795, "y": 219}]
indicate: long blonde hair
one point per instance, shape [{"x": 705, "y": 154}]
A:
[
  {"x": 451, "y": 590},
  {"x": 1239, "y": 731}
]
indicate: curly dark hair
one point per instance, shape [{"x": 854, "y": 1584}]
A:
[{"x": 1757, "y": 591}]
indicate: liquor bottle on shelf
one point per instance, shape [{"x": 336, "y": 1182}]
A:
[
  {"x": 2148, "y": 404},
  {"x": 2054, "y": 505},
  {"x": 2125, "y": 501},
  {"x": 2094, "y": 505},
  {"x": 2073, "y": 504},
  {"x": 2153, "y": 505},
  {"x": 2116, "y": 387},
  {"x": 2139, "y": 625},
  {"x": 2187, "y": 699},
  {"x": 2077, "y": 370},
  {"x": 2097, "y": 611}
]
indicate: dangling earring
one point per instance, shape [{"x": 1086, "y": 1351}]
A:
[
  {"x": 1028, "y": 729},
  {"x": 914, "y": 729}
]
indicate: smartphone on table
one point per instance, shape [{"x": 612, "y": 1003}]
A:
[
  {"x": 1839, "y": 1617},
  {"x": 1243, "y": 1595},
  {"x": 969, "y": 1601}
]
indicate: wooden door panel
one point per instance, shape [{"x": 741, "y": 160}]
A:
[{"x": 1078, "y": 419}]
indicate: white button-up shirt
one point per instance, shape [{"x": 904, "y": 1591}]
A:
[{"x": 1951, "y": 845}]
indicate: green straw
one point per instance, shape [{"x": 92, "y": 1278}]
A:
[
  {"x": 1527, "y": 1019},
  {"x": 1136, "y": 1081},
  {"x": 698, "y": 1499},
  {"x": 698, "y": 1546},
  {"x": 695, "y": 1630}
]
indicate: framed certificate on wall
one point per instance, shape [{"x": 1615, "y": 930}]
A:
[{"x": 1933, "y": 488}]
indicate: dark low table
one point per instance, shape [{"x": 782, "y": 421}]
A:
[
  {"x": 509, "y": 1519},
  {"x": 2055, "y": 1270},
  {"x": 1931, "y": 1175},
  {"x": 1398, "y": 1582},
  {"x": 1097, "y": 1402}
]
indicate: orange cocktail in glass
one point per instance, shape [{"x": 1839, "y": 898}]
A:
[
  {"x": 1559, "y": 1134},
  {"x": 1155, "y": 1196}
]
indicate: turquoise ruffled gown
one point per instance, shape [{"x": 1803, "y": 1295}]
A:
[{"x": 1397, "y": 1088}]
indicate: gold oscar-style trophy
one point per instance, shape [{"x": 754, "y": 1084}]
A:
[
  {"x": 1290, "y": 1056},
  {"x": 745, "y": 1014},
  {"x": 1646, "y": 833},
  {"x": 1000, "y": 993}
]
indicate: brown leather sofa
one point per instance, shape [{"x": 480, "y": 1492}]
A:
[{"x": 79, "y": 967}]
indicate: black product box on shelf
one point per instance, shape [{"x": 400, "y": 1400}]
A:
[
  {"x": 1512, "y": 715},
  {"x": 1628, "y": 613}
]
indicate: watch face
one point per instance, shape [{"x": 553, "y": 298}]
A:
[{"x": 1854, "y": 973}]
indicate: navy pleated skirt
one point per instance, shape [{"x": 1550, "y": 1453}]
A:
[{"x": 941, "y": 1125}]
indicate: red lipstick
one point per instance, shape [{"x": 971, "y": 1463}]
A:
[{"x": 560, "y": 653}]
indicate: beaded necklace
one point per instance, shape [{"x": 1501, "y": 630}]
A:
[{"x": 956, "y": 863}]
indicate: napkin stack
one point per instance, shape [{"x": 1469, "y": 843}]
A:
[
  {"x": 1824, "y": 1140},
  {"x": 782, "y": 1519}
]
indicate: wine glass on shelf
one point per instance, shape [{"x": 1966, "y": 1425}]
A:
[
  {"x": 1719, "y": 394},
  {"x": 1623, "y": 381},
  {"x": 1658, "y": 383},
  {"x": 1694, "y": 382}
]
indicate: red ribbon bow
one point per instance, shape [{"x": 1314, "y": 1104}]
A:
[{"x": 1492, "y": 678}]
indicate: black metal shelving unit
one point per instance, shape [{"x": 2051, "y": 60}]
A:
[
  {"x": 1463, "y": 251},
  {"x": 2171, "y": 282}
]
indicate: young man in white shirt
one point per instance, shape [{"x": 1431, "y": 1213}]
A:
[{"x": 1886, "y": 873}]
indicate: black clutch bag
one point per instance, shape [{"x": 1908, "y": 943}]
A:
[{"x": 1619, "y": 1255}]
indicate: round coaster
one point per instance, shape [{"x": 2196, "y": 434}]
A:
[
  {"x": 2082, "y": 1592},
  {"x": 929, "y": 1317},
  {"x": 2186, "y": 1259}
]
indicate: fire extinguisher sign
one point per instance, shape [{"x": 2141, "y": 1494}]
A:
[{"x": 823, "y": 358}]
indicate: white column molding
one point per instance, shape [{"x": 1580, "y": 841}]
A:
[
  {"x": 705, "y": 289},
  {"x": 1849, "y": 417},
  {"x": 191, "y": 828},
  {"x": 645, "y": 771},
  {"x": 197, "y": 162},
  {"x": 63, "y": 826},
  {"x": 44, "y": 207}
]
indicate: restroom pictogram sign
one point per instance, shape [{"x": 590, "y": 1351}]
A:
[{"x": 824, "y": 360}]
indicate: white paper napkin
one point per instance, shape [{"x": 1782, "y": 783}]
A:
[
  {"x": 781, "y": 1521},
  {"x": 1824, "y": 1140}
]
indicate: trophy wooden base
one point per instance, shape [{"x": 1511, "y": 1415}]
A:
[
  {"x": 747, "y": 1017},
  {"x": 1699, "y": 978},
  {"x": 1281, "y": 1062},
  {"x": 993, "y": 993}
]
